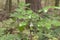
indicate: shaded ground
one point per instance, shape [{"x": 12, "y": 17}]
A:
[{"x": 3, "y": 15}]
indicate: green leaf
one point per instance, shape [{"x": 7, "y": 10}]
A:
[
  {"x": 29, "y": 12},
  {"x": 56, "y": 23},
  {"x": 10, "y": 37},
  {"x": 21, "y": 28},
  {"x": 27, "y": 4},
  {"x": 40, "y": 10},
  {"x": 48, "y": 25},
  {"x": 22, "y": 25}
]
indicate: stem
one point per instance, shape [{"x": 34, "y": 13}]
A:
[
  {"x": 30, "y": 30},
  {"x": 10, "y": 5},
  {"x": 31, "y": 35}
]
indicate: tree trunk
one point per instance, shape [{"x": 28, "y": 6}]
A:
[
  {"x": 35, "y": 5},
  {"x": 57, "y": 2},
  {"x": 8, "y": 5},
  {"x": 18, "y": 2}
]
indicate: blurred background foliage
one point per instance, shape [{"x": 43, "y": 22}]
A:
[{"x": 28, "y": 25}]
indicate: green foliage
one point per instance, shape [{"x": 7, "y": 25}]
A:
[
  {"x": 45, "y": 9},
  {"x": 2, "y": 31},
  {"x": 22, "y": 25},
  {"x": 27, "y": 17},
  {"x": 10, "y": 37}
]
